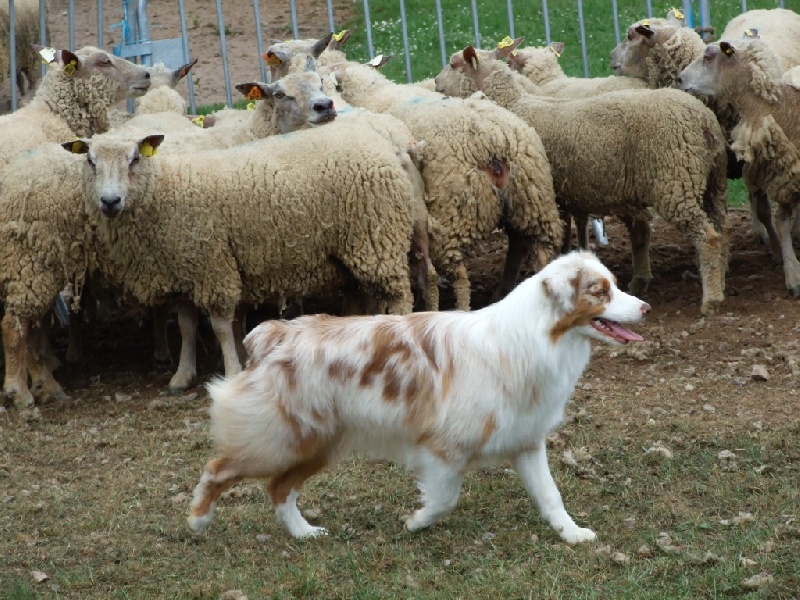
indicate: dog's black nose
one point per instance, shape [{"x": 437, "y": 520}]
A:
[{"x": 110, "y": 201}]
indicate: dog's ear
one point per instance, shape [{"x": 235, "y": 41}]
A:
[{"x": 562, "y": 290}]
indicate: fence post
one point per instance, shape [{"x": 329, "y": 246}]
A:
[
  {"x": 43, "y": 41},
  {"x": 260, "y": 40},
  {"x": 705, "y": 15},
  {"x": 12, "y": 40},
  {"x": 510, "y": 8},
  {"x": 442, "y": 49},
  {"x": 404, "y": 27},
  {"x": 224, "y": 48},
  {"x": 331, "y": 24},
  {"x": 616, "y": 20},
  {"x": 582, "y": 27},
  {"x": 100, "y": 25},
  {"x": 186, "y": 59},
  {"x": 649, "y": 9},
  {"x": 546, "y": 17},
  {"x": 368, "y": 23},
  {"x": 71, "y": 24},
  {"x": 293, "y": 8},
  {"x": 475, "y": 24}
]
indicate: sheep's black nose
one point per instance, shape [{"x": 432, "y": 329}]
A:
[
  {"x": 147, "y": 75},
  {"x": 680, "y": 81},
  {"x": 110, "y": 201},
  {"x": 323, "y": 105}
]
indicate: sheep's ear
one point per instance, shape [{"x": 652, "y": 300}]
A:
[
  {"x": 751, "y": 34},
  {"x": 645, "y": 29},
  {"x": 339, "y": 39},
  {"x": 676, "y": 17},
  {"x": 471, "y": 57},
  {"x": 556, "y": 48},
  {"x": 70, "y": 61},
  {"x": 48, "y": 54},
  {"x": 272, "y": 58},
  {"x": 77, "y": 146},
  {"x": 727, "y": 49},
  {"x": 320, "y": 45},
  {"x": 311, "y": 64},
  {"x": 183, "y": 71},
  {"x": 507, "y": 47},
  {"x": 149, "y": 146},
  {"x": 255, "y": 90},
  {"x": 380, "y": 60}
]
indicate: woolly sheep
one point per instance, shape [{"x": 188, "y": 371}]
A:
[
  {"x": 72, "y": 100},
  {"x": 673, "y": 162},
  {"x": 541, "y": 66},
  {"x": 27, "y": 33},
  {"x": 748, "y": 75},
  {"x": 482, "y": 167}
]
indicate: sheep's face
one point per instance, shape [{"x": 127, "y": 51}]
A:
[
  {"x": 539, "y": 63},
  {"x": 293, "y": 102},
  {"x": 463, "y": 77},
  {"x": 279, "y": 56},
  {"x": 111, "y": 164},
  {"x": 629, "y": 58},
  {"x": 133, "y": 80},
  {"x": 160, "y": 74},
  {"x": 706, "y": 75}
]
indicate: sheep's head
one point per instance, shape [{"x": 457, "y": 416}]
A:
[
  {"x": 280, "y": 55},
  {"x": 729, "y": 68},
  {"x": 112, "y": 162},
  {"x": 295, "y": 101},
  {"x": 629, "y": 58},
  {"x": 542, "y": 60},
  {"x": 160, "y": 74},
  {"x": 132, "y": 80},
  {"x": 464, "y": 74}
]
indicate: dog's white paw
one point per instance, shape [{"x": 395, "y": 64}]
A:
[
  {"x": 576, "y": 535},
  {"x": 311, "y": 532}
]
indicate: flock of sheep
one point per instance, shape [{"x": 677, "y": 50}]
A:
[{"x": 340, "y": 181}]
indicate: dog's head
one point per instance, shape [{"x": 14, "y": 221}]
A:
[{"x": 587, "y": 301}]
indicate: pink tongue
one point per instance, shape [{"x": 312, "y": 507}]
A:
[{"x": 622, "y": 332}]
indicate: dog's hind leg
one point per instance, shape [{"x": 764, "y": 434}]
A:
[
  {"x": 283, "y": 489},
  {"x": 218, "y": 477},
  {"x": 535, "y": 473},
  {"x": 440, "y": 484}
]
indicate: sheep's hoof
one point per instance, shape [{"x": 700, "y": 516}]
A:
[
  {"x": 710, "y": 307},
  {"x": 638, "y": 285},
  {"x": 21, "y": 400},
  {"x": 795, "y": 291}
]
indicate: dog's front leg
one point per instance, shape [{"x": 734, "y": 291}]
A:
[{"x": 535, "y": 473}]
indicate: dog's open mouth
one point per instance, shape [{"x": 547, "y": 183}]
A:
[{"x": 615, "y": 331}]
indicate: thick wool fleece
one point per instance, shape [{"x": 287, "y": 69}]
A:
[
  {"x": 542, "y": 68},
  {"x": 269, "y": 221},
  {"x": 462, "y": 140},
  {"x": 45, "y": 234},
  {"x": 666, "y": 61},
  {"x": 778, "y": 28},
  {"x": 63, "y": 107}
]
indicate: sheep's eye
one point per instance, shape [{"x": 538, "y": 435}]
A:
[
  {"x": 279, "y": 94},
  {"x": 104, "y": 61}
]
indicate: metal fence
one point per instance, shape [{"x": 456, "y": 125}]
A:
[{"x": 136, "y": 35}]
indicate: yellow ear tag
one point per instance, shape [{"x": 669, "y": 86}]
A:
[
  {"x": 554, "y": 51},
  {"x": 69, "y": 68},
  {"x": 255, "y": 93},
  {"x": 199, "y": 121},
  {"x": 749, "y": 33},
  {"x": 337, "y": 37},
  {"x": 728, "y": 51},
  {"x": 505, "y": 43},
  {"x": 77, "y": 146},
  {"x": 48, "y": 55},
  {"x": 147, "y": 150},
  {"x": 376, "y": 62},
  {"x": 678, "y": 13},
  {"x": 646, "y": 23},
  {"x": 251, "y": 106},
  {"x": 272, "y": 59}
]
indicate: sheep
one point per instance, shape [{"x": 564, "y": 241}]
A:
[
  {"x": 748, "y": 75},
  {"x": 27, "y": 34},
  {"x": 482, "y": 167},
  {"x": 778, "y": 29},
  {"x": 662, "y": 149},
  {"x": 72, "y": 99},
  {"x": 540, "y": 65}
]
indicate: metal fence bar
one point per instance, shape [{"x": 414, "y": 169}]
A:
[
  {"x": 224, "y": 48},
  {"x": 100, "y": 25},
  {"x": 649, "y": 9},
  {"x": 43, "y": 30},
  {"x": 616, "y": 20},
  {"x": 293, "y": 8},
  {"x": 404, "y": 27},
  {"x": 439, "y": 19},
  {"x": 260, "y": 40},
  {"x": 780, "y": 3},
  {"x": 510, "y": 9},
  {"x": 582, "y": 27},
  {"x": 331, "y": 24},
  {"x": 546, "y": 18},
  {"x": 186, "y": 56},
  {"x": 744, "y": 6},
  {"x": 705, "y": 14},
  {"x": 12, "y": 40},
  {"x": 475, "y": 23},
  {"x": 368, "y": 22},
  {"x": 688, "y": 13},
  {"x": 71, "y": 24}
]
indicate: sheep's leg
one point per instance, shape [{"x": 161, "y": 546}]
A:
[
  {"x": 161, "y": 355},
  {"x": 223, "y": 329},
  {"x": 44, "y": 386},
  {"x": 518, "y": 246},
  {"x": 74, "y": 353},
  {"x": 461, "y": 287},
  {"x": 791, "y": 267},
  {"x": 711, "y": 257},
  {"x": 582, "y": 228},
  {"x": 187, "y": 363},
  {"x": 640, "y": 233},
  {"x": 762, "y": 220},
  {"x": 566, "y": 241},
  {"x": 16, "y": 334}
]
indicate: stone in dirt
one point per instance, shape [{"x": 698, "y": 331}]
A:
[{"x": 760, "y": 373}]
